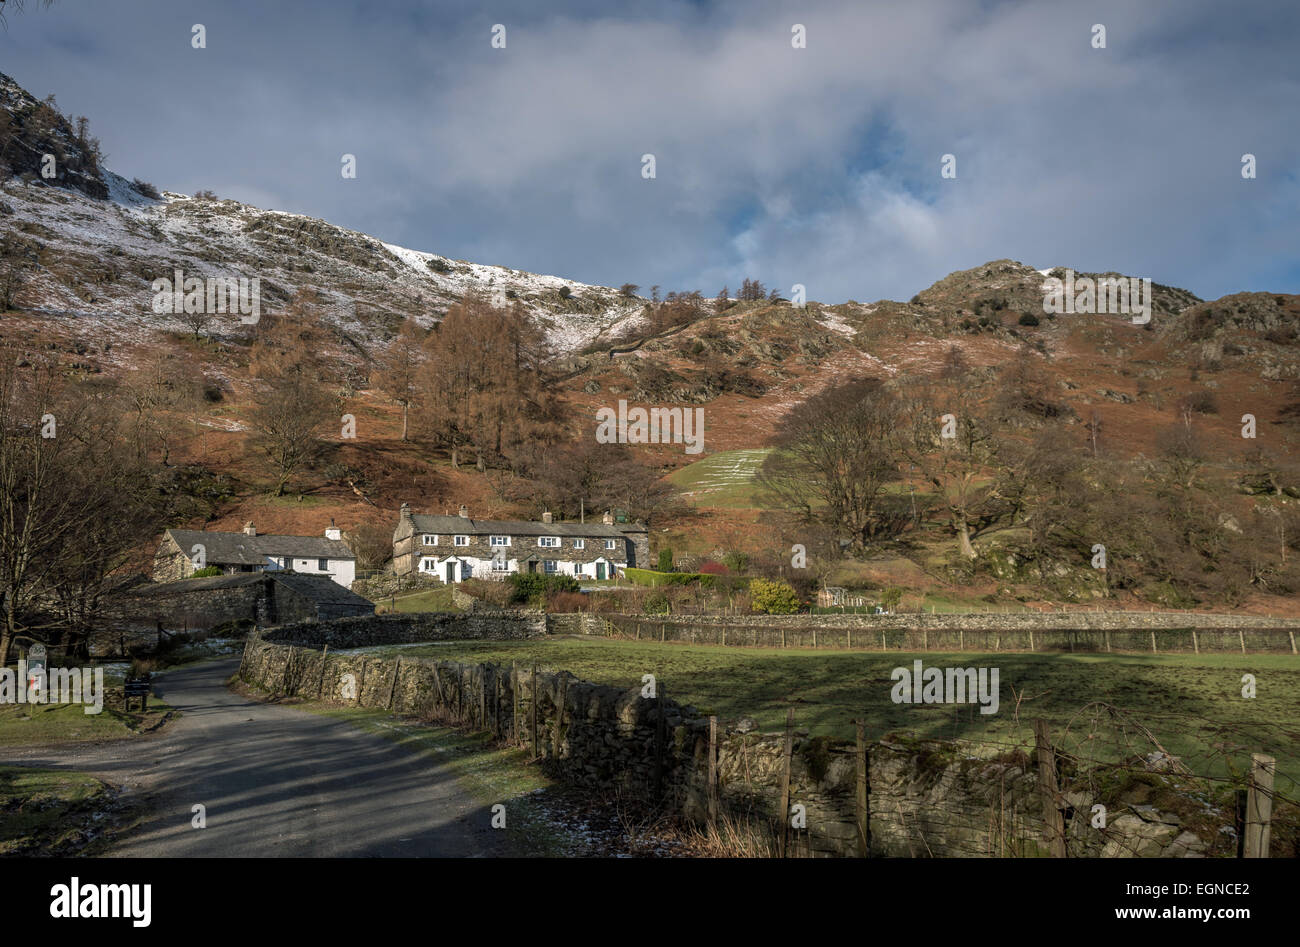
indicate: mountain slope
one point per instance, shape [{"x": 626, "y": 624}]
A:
[{"x": 90, "y": 244}]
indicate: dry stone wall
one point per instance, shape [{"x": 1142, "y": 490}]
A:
[
  {"x": 369, "y": 630},
  {"x": 927, "y": 798},
  {"x": 1074, "y": 631}
]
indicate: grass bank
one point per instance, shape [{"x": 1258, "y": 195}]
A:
[{"x": 1192, "y": 703}]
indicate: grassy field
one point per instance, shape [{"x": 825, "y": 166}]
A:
[
  {"x": 47, "y": 812},
  {"x": 725, "y": 480},
  {"x": 433, "y": 600},
  {"x": 34, "y": 724},
  {"x": 1191, "y": 703}
]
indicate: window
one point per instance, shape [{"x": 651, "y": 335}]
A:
[
  {"x": 611, "y": 544},
  {"x": 466, "y": 570},
  {"x": 549, "y": 542},
  {"x": 551, "y": 566},
  {"x": 429, "y": 539},
  {"x": 322, "y": 565},
  {"x": 427, "y": 565},
  {"x": 500, "y": 564},
  {"x": 496, "y": 541},
  {"x": 579, "y": 544},
  {"x": 461, "y": 540}
]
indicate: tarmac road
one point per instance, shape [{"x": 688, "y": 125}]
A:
[{"x": 275, "y": 781}]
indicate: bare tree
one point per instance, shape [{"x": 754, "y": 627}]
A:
[
  {"x": 835, "y": 454},
  {"x": 292, "y": 400},
  {"x": 398, "y": 368}
]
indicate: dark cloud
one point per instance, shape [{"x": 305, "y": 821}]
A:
[{"x": 818, "y": 166}]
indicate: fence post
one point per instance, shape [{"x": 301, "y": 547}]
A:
[
  {"x": 1107, "y": 640},
  {"x": 1241, "y": 637},
  {"x": 1031, "y": 639},
  {"x": 1153, "y": 641},
  {"x": 514, "y": 705},
  {"x": 864, "y": 824},
  {"x": 320, "y": 686},
  {"x": 925, "y": 639},
  {"x": 850, "y": 644},
  {"x": 392, "y": 687},
  {"x": 559, "y": 715},
  {"x": 1196, "y": 646},
  {"x": 1047, "y": 788},
  {"x": 660, "y": 733},
  {"x": 533, "y": 709},
  {"x": 1291, "y": 635},
  {"x": 437, "y": 684},
  {"x": 1259, "y": 804},
  {"x": 482, "y": 698},
  {"x": 496, "y": 702},
  {"x": 284, "y": 684},
  {"x": 361, "y": 683},
  {"x": 713, "y": 771},
  {"x": 786, "y": 754}
]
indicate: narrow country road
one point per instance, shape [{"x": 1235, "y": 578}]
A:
[{"x": 275, "y": 781}]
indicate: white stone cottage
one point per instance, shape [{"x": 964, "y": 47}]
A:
[
  {"x": 247, "y": 551},
  {"x": 455, "y": 548}
]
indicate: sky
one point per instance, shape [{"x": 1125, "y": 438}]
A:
[{"x": 818, "y": 165}]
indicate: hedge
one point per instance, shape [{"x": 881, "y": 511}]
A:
[{"x": 654, "y": 579}]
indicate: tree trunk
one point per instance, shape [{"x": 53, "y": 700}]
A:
[
  {"x": 405, "y": 412},
  {"x": 963, "y": 538}
]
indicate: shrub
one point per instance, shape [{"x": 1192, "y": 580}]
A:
[
  {"x": 146, "y": 189},
  {"x": 890, "y": 597},
  {"x": 713, "y": 568},
  {"x": 736, "y": 561},
  {"x": 499, "y": 594},
  {"x": 525, "y": 586},
  {"x": 656, "y": 603},
  {"x": 206, "y": 572},
  {"x": 565, "y": 292},
  {"x": 1028, "y": 319},
  {"x": 665, "y": 560},
  {"x": 773, "y": 597},
  {"x": 562, "y": 601},
  {"x": 1202, "y": 402}
]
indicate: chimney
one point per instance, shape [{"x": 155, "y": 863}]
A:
[
  {"x": 547, "y": 517},
  {"x": 405, "y": 511},
  {"x": 464, "y": 511},
  {"x": 332, "y": 531},
  {"x": 609, "y": 518},
  {"x": 250, "y": 529}
]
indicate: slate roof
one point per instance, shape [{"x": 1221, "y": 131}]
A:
[
  {"x": 242, "y": 549},
  {"x": 321, "y": 589},
  {"x": 465, "y": 526}
]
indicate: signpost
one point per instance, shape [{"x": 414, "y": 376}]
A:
[
  {"x": 135, "y": 687},
  {"x": 36, "y": 674}
]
